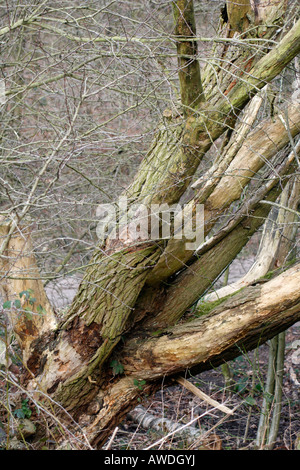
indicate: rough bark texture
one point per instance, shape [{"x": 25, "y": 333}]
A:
[
  {"x": 262, "y": 144},
  {"x": 189, "y": 70}
]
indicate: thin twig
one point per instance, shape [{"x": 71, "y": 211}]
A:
[{"x": 189, "y": 386}]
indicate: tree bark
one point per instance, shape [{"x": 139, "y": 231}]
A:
[
  {"x": 266, "y": 140},
  {"x": 191, "y": 90}
]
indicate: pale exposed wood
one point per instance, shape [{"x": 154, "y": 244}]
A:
[
  {"x": 196, "y": 391},
  {"x": 208, "y": 181},
  {"x": 273, "y": 242},
  {"x": 197, "y": 341},
  {"x": 261, "y": 145},
  {"x": 18, "y": 273}
]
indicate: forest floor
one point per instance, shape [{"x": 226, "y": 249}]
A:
[{"x": 226, "y": 432}]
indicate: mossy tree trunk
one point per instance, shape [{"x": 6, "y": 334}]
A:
[{"x": 134, "y": 293}]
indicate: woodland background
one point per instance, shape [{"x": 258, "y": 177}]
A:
[{"x": 95, "y": 106}]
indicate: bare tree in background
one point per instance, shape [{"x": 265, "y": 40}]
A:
[{"x": 115, "y": 99}]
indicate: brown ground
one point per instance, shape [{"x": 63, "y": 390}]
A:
[{"x": 249, "y": 374}]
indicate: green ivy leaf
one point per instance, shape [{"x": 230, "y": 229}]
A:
[
  {"x": 19, "y": 413},
  {"x": 116, "y": 367},
  {"x": 28, "y": 313},
  {"x": 24, "y": 411},
  {"x": 41, "y": 310},
  {"x": 241, "y": 386},
  {"x": 250, "y": 401},
  {"x": 139, "y": 383},
  {"x": 258, "y": 388},
  {"x": 7, "y": 304},
  {"x": 268, "y": 397},
  {"x": 27, "y": 293},
  {"x": 17, "y": 303}
]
